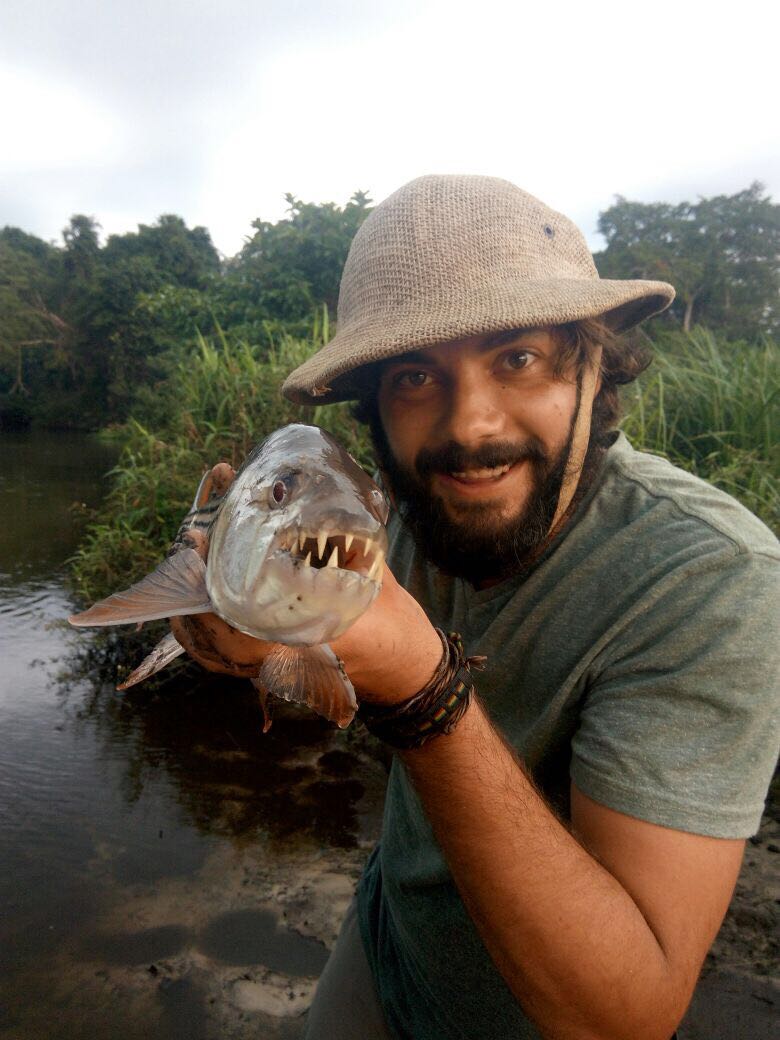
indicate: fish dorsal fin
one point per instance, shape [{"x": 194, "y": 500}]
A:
[
  {"x": 166, "y": 651},
  {"x": 311, "y": 675},
  {"x": 177, "y": 586}
]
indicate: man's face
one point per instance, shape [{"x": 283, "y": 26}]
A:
[{"x": 477, "y": 435}]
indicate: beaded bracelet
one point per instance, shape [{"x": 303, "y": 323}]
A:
[{"x": 436, "y": 709}]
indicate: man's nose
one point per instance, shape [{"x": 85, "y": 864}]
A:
[{"x": 473, "y": 414}]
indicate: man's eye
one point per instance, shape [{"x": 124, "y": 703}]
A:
[
  {"x": 411, "y": 378},
  {"x": 517, "y": 359}
]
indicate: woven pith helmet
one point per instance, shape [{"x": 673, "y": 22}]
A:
[{"x": 446, "y": 257}]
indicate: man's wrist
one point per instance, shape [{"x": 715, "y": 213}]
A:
[{"x": 435, "y": 710}]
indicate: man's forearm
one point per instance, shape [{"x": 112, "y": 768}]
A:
[{"x": 569, "y": 940}]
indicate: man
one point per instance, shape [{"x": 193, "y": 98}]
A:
[{"x": 558, "y": 861}]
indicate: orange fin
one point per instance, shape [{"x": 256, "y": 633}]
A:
[
  {"x": 311, "y": 675},
  {"x": 263, "y": 695},
  {"x": 178, "y": 586},
  {"x": 165, "y": 652}
]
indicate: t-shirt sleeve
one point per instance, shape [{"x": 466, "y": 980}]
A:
[{"x": 680, "y": 720}]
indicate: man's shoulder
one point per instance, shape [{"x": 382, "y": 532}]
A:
[{"x": 652, "y": 492}]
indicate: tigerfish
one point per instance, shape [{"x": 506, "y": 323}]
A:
[{"x": 296, "y": 551}]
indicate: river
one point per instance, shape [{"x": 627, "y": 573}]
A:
[{"x": 166, "y": 870}]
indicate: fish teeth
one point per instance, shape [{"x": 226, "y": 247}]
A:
[
  {"x": 348, "y": 541},
  {"x": 368, "y": 548},
  {"x": 375, "y": 571},
  {"x": 301, "y": 540},
  {"x": 334, "y": 558},
  {"x": 322, "y": 540},
  {"x": 307, "y": 561}
]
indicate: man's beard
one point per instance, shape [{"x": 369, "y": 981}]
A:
[{"x": 474, "y": 545}]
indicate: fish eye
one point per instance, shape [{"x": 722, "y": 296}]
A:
[
  {"x": 279, "y": 492},
  {"x": 282, "y": 487}
]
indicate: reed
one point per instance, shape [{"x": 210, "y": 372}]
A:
[{"x": 711, "y": 406}]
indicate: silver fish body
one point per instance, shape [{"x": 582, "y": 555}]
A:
[
  {"x": 298, "y": 544},
  {"x": 296, "y": 550}
]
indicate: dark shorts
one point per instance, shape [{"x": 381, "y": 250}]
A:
[{"x": 346, "y": 1004}]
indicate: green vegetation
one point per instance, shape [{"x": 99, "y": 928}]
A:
[
  {"x": 86, "y": 328},
  {"x": 184, "y": 351},
  {"x": 216, "y": 405},
  {"x": 709, "y": 405},
  {"x": 720, "y": 254}
]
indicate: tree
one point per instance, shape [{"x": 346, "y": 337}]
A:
[
  {"x": 181, "y": 255},
  {"x": 288, "y": 268},
  {"x": 721, "y": 254},
  {"x": 117, "y": 340},
  {"x": 82, "y": 247},
  {"x": 29, "y": 311}
]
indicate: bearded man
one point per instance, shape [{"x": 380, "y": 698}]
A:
[{"x": 563, "y": 828}]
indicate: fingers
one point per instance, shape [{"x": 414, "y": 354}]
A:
[
  {"x": 214, "y": 485},
  {"x": 222, "y": 476},
  {"x": 197, "y": 540},
  {"x": 218, "y": 646}
]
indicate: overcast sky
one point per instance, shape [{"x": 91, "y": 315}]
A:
[{"x": 126, "y": 109}]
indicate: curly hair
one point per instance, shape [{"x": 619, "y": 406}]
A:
[{"x": 623, "y": 359}]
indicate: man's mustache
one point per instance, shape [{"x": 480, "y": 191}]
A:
[{"x": 453, "y": 457}]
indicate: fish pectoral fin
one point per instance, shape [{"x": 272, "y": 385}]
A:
[
  {"x": 262, "y": 693},
  {"x": 311, "y": 675},
  {"x": 177, "y": 586},
  {"x": 166, "y": 651}
]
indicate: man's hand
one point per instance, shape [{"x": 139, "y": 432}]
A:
[
  {"x": 389, "y": 653},
  {"x": 392, "y": 650}
]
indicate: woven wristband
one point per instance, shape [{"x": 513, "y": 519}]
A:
[{"x": 434, "y": 710}]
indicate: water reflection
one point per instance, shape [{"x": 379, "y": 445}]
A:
[{"x": 204, "y": 732}]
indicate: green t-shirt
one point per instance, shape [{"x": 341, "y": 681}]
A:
[{"x": 639, "y": 659}]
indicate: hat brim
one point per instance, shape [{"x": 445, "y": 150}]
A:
[{"x": 329, "y": 376}]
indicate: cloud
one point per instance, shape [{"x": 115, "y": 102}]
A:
[
  {"x": 215, "y": 111},
  {"x": 53, "y": 125}
]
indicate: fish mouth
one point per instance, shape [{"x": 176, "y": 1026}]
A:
[{"x": 359, "y": 554}]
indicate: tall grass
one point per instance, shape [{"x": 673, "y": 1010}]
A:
[
  {"x": 708, "y": 405},
  {"x": 711, "y": 406}
]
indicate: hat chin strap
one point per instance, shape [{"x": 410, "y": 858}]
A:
[{"x": 579, "y": 439}]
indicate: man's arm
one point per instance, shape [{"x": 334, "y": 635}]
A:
[{"x": 600, "y": 934}]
